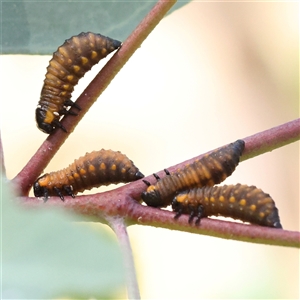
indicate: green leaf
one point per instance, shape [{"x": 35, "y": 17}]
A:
[
  {"x": 46, "y": 255},
  {"x": 39, "y": 27}
]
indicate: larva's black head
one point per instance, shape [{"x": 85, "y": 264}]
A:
[
  {"x": 152, "y": 198},
  {"x": 47, "y": 121},
  {"x": 41, "y": 120},
  {"x": 176, "y": 206},
  {"x": 40, "y": 191}
]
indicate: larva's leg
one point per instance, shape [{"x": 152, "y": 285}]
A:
[
  {"x": 156, "y": 176},
  {"x": 167, "y": 172},
  {"x": 147, "y": 182},
  {"x": 56, "y": 123},
  {"x": 67, "y": 112},
  {"x": 69, "y": 102},
  {"x": 192, "y": 214},
  {"x": 178, "y": 214},
  {"x": 69, "y": 190},
  {"x": 59, "y": 193},
  {"x": 46, "y": 195},
  {"x": 199, "y": 214}
]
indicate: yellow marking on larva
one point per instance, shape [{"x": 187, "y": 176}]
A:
[
  {"x": 76, "y": 41},
  {"x": 193, "y": 173},
  {"x": 102, "y": 166},
  {"x": 212, "y": 199},
  {"x": 221, "y": 199},
  {"x": 49, "y": 117},
  {"x": 206, "y": 172},
  {"x": 265, "y": 201},
  {"x": 44, "y": 181},
  {"x": 123, "y": 170},
  {"x": 76, "y": 68},
  {"x": 253, "y": 207},
  {"x": 103, "y": 51},
  {"x": 70, "y": 78},
  {"x": 231, "y": 199},
  {"x": 82, "y": 172},
  {"x": 66, "y": 87},
  {"x": 84, "y": 60},
  {"x": 151, "y": 188},
  {"x": 243, "y": 202},
  {"x": 206, "y": 199},
  {"x": 64, "y": 93},
  {"x": 63, "y": 51},
  {"x": 70, "y": 178},
  {"x": 76, "y": 175},
  {"x": 94, "y": 54},
  {"x": 113, "y": 167},
  {"x": 181, "y": 198},
  {"x": 217, "y": 165},
  {"x": 92, "y": 168},
  {"x": 261, "y": 214}
]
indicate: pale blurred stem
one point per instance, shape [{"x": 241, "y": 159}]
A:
[
  {"x": 119, "y": 227},
  {"x": 2, "y": 164},
  {"x": 24, "y": 180}
]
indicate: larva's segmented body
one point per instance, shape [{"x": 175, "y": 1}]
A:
[
  {"x": 69, "y": 63},
  {"x": 97, "y": 168},
  {"x": 243, "y": 202},
  {"x": 209, "y": 170}
]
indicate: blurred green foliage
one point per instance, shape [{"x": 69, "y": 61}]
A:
[
  {"x": 40, "y": 27},
  {"x": 47, "y": 254}
]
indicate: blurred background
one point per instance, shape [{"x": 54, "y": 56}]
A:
[{"x": 210, "y": 73}]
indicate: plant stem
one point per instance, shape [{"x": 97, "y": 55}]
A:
[
  {"x": 271, "y": 139},
  {"x": 124, "y": 201},
  {"x": 2, "y": 164},
  {"x": 119, "y": 227}
]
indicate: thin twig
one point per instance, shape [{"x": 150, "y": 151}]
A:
[
  {"x": 2, "y": 164},
  {"x": 264, "y": 141},
  {"x": 119, "y": 227},
  {"x": 124, "y": 202}
]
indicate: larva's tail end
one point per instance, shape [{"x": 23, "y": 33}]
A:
[
  {"x": 277, "y": 224},
  {"x": 273, "y": 219},
  {"x": 139, "y": 175},
  {"x": 240, "y": 145},
  {"x": 116, "y": 44}
]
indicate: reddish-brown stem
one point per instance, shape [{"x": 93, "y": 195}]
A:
[
  {"x": 117, "y": 202},
  {"x": 124, "y": 201},
  {"x": 264, "y": 141},
  {"x": 24, "y": 180}
]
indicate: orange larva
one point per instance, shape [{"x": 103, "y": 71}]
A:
[
  {"x": 97, "y": 168},
  {"x": 209, "y": 170},
  {"x": 69, "y": 63},
  {"x": 243, "y": 202}
]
